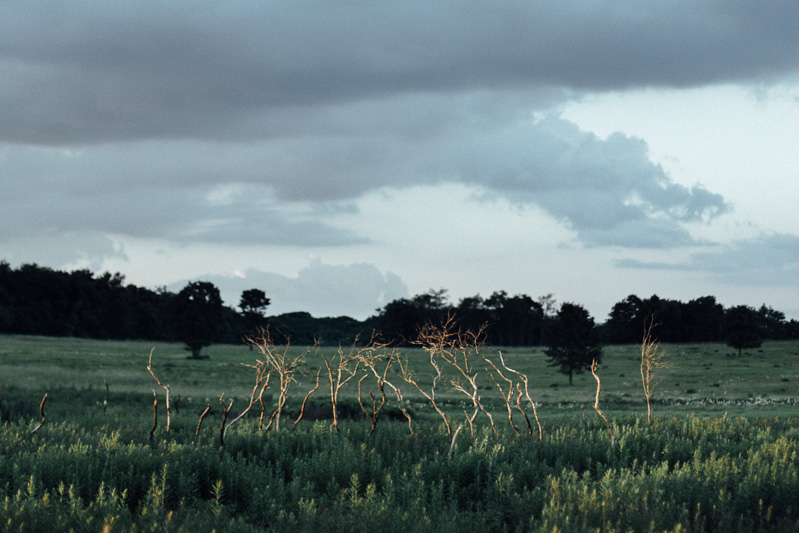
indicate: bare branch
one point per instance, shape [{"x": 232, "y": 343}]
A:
[
  {"x": 596, "y": 403},
  {"x": 305, "y": 400},
  {"x": 41, "y": 413},
  {"x": 524, "y": 379},
  {"x": 225, "y": 411},
  {"x": 652, "y": 361},
  {"x": 155, "y": 415},
  {"x": 507, "y": 397},
  {"x": 277, "y": 360},
  {"x": 202, "y": 416},
  {"x": 165, "y": 387}
]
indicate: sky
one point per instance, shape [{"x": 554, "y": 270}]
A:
[{"x": 341, "y": 154}]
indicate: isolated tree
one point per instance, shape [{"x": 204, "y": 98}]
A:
[
  {"x": 573, "y": 340},
  {"x": 253, "y": 305},
  {"x": 197, "y": 316},
  {"x": 742, "y": 328}
]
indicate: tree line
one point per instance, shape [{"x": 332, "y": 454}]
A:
[
  {"x": 520, "y": 320},
  {"x": 37, "y": 300}
]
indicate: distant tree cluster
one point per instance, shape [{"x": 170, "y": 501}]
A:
[
  {"x": 513, "y": 320},
  {"x": 37, "y": 300},
  {"x": 524, "y": 321},
  {"x": 699, "y": 320}
]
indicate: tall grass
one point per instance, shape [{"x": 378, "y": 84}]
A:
[{"x": 678, "y": 473}]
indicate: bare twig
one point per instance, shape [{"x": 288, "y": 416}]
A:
[
  {"x": 155, "y": 415},
  {"x": 277, "y": 359},
  {"x": 41, "y": 413},
  {"x": 652, "y": 361},
  {"x": 457, "y": 348},
  {"x": 225, "y": 411},
  {"x": 261, "y": 381},
  {"x": 401, "y": 404},
  {"x": 305, "y": 400},
  {"x": 370, "y": 361},
  {"x": 524, "y": 379},
  {"x": 452, "y": 444},
  {"x": 507, "y": 397},
  {"x": 410, "y": 378},
  {"x": 596, "y": 403},
  {"x": 165, "y": 387},
  {"x": 202, "y": 416},
  {"x": 105, "y": 402},
  {"x": 341, "y": 368}
]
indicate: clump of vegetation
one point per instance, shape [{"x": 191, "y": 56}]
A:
[{"x": 686, "y": 474}]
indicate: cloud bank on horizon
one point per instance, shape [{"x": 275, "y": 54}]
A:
[{"x": 269, "y": 124}]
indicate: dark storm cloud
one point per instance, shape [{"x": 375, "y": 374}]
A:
[
  {"x": 222, "y": 122},
  {"x": 765, "y": 260},
  {"x": 94, "y": 72}
]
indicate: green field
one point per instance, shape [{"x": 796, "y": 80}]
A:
[
  {"x": 706, "y": 379},
  {"x": 721, "y": 454}
]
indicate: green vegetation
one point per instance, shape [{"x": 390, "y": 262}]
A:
[{"x": 719, "y": 455}]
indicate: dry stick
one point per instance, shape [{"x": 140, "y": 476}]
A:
[
  {"x": 177, "y": 400},
  {"x": 507, "y": 397},
  {"x": 370, "y": 361},
  {"x": 410, "y": 378},
  {"x": 105, "y": 402},
  {"x": 305, "y": 400},
  {"x": 165, "y": 387},
  {"x": 275, "y": 417},
  {"x": 452, "y": 444},
  {"x": 155, "y": 415},
  {"x": 519, "y": 407},
  {"x": 225, "y": 411},
  {"x": 202, "y": 416},
  {"x": 596, "y": 403},
  {"x": 400, "y": 401},
  {"x": 375, "y": 409},
  {"x": 343, "y": 367},
  {"x": 261, "y": 401},
  {"x": 259, "y": 382},
  {"x": 455, "y": 347},
  {"x": 277, "y": 359},
  {"x": 524, "y": 379},
  {"x": 41, "y": 412}
]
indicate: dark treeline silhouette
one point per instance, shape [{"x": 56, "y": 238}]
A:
[
  {"x": 37, "y": 300},
  {"x": 523, "y": 321},
  {"x": 699, "y": 320},
  {"x": 512, "y": 320}
]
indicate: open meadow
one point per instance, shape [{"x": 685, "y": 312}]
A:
[{"x": 719, "y": 455}]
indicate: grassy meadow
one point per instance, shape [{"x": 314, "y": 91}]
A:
[
  {"x": 721, "y": 454},
  {"x": 706, "y": 379}
]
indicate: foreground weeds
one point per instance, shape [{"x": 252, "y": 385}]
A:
[{"x": 675, "y": 474}]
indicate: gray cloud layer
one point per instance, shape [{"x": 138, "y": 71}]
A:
[
  {"x": 214, "y": 122},
  {"x": 94, "y": 72},
  {"x": 766, "y": 260}
]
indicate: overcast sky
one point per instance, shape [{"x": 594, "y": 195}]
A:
[{"x": 342, "y": 154}]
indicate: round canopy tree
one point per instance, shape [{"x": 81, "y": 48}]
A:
[
  {"x": 253, "y": 304},
  {"x": 573, "y": 340},
  {"x": 197, "y": 316},
  {"x": 742, "y": 328}
]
